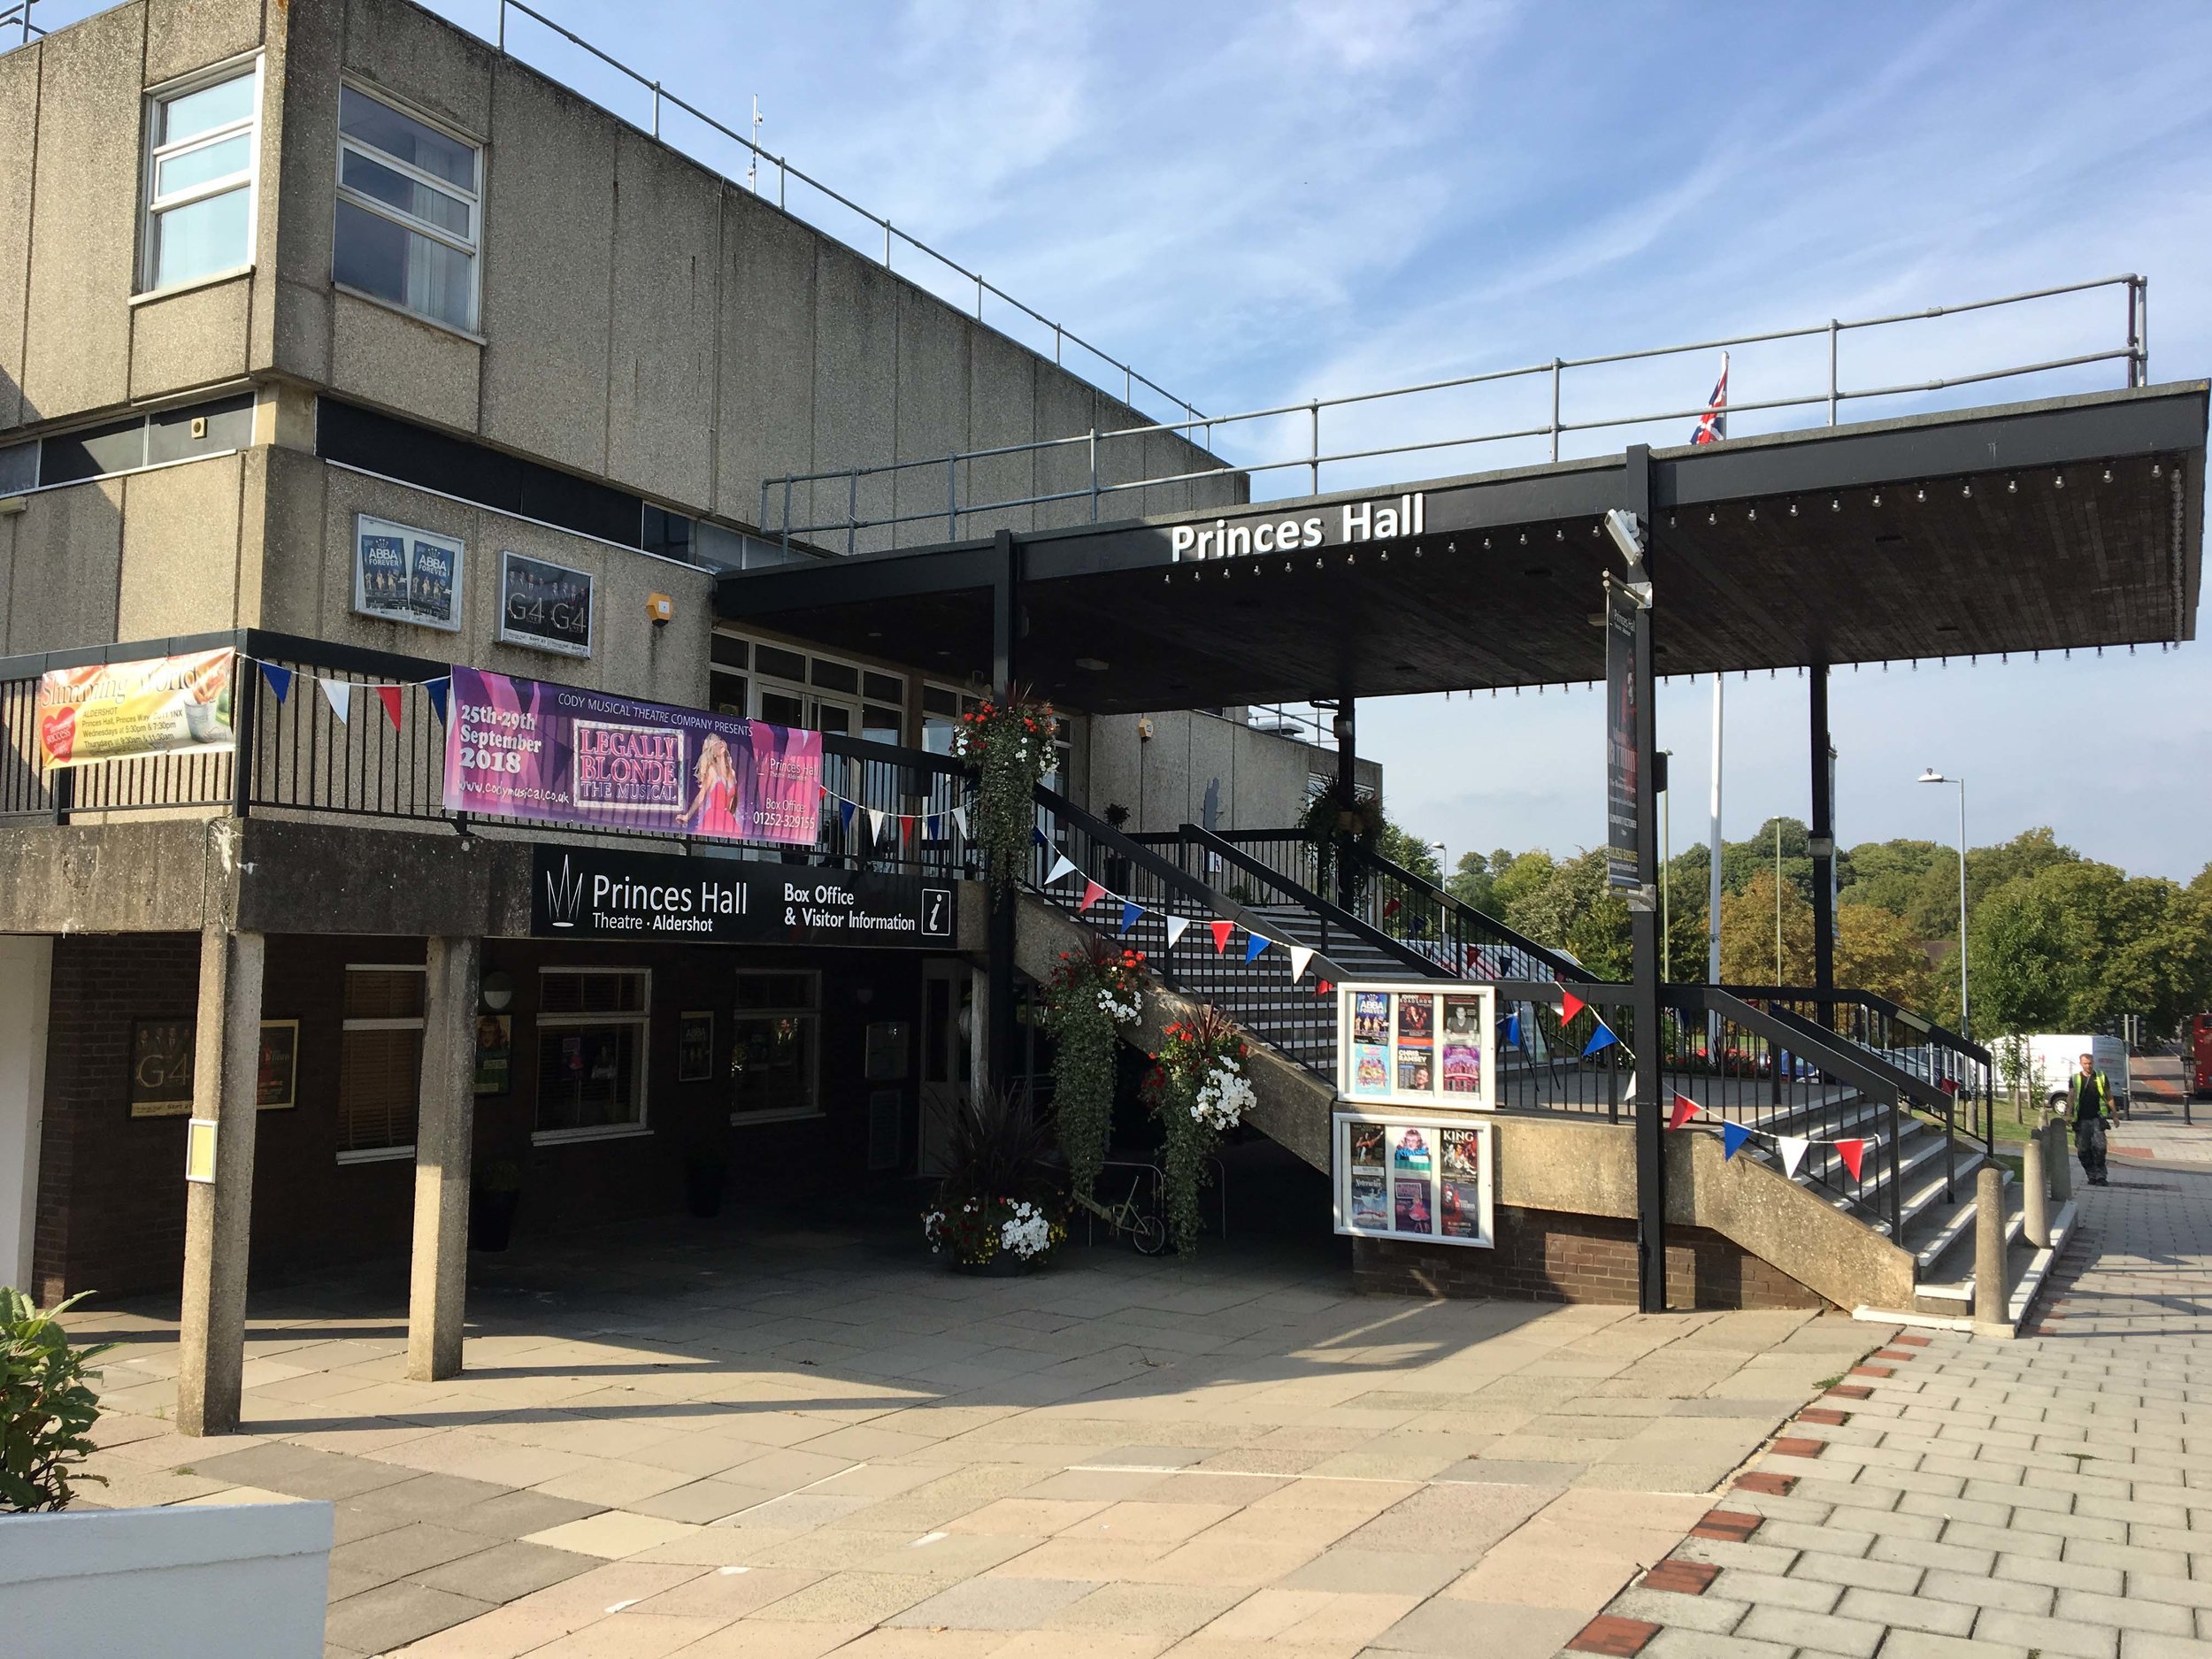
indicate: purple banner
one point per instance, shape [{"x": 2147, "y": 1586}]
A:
[{"x": 559, "y": 755}]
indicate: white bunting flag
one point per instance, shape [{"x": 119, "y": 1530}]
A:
[
  {"x": 1300, "y": 957},
  {"x": 339, "y": 694},
  {"x": 960, "y": 819},
  {"x": 1061, "y": 866},
  {"x": 875, "y": 824},
  {"x": 1792, "y": 1149},
  {"x": 1175, "y": 926}
]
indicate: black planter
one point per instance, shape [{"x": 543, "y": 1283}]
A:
[
  {"x": 1002, "y": 1264},
  {"x": 491, "y": 1219},
  {"x": 702, "y": 1188}
]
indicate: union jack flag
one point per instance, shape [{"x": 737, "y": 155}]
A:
[{"x": 1713, "y": 427}]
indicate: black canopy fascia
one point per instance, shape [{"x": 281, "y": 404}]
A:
[{"x": 2071, "y": 522}]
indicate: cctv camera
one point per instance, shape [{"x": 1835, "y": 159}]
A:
[{"x": 1627, "y": 533}]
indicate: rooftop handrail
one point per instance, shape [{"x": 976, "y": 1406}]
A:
[
  {"x": 1201, "y": 429},
  {"x": 785, "y": 173}
]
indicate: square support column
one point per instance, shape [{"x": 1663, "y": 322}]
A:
[
  {"x": 1653, "y": 1099},
  {"x": 218, "y": 1213},
  {"x": 1006, "y": 632},
  {"x": 1823, "y": 839},
  {"x": 445, "y": 1132}
]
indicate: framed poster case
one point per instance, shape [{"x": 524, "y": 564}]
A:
[
  {"x": 545, "y": 606},
  {"x": 1419, "y": 1042},
  {"x": 1427, "y": 1180}
]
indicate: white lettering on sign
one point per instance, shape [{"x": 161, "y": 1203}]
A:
[{"x": 1363, "y": 521}]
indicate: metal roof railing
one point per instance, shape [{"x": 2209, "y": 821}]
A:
[{"x": 1311, "y": 457}]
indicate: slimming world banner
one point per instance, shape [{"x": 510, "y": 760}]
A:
[
  {"x": 559, "y": 755},
  {"x": 120, "y": 711}
]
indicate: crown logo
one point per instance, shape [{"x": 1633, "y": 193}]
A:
[{"x": 564, "y": 895}]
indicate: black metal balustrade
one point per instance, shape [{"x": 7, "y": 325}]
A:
[{"x": 305, "y": 762}]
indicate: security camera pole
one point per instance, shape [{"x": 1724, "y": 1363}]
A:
[{"x": 1633, "y": 863}]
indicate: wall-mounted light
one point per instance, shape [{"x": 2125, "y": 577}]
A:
[{"x": 497, "y": 989}]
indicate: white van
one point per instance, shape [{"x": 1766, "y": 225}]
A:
[{"x": 2053, "y": 1060}]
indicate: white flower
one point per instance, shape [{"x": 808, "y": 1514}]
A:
[
  {"x": 1026, "y": 1232},
  {"x": 1224, "y": 1097},
  {"x": 1120, "y": 1013}
]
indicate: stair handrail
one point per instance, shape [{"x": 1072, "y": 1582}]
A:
[
  {"x": 1874, "y": 1000},
  {"x": 1835, "y": 1053},
  {"x": 1204, "y": 897},
  {"x": 1447, "y": 900},
  {"x": 1207, "y": 841}
]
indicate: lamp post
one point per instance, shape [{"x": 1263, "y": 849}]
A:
[{"x": 1965, "y": 1018}]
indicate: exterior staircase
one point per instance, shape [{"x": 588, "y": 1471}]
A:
[{"x": 1768, "y": 1059}]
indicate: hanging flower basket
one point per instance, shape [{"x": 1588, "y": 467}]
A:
[
  {"x": 1344, "y": 827},
  {"x": 1094, "y": 995},
  {"x": 1199, "y": 1090},
  {"x": 1007, "y": 745}
]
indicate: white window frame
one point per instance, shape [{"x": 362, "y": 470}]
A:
[
  {"x": 472, "y": 246},
  {"x": 642, "y": 1019},
  {"x": 156, "y": 99},
  {"x": 815, "y": 1012},
  {"x": 383, "y": 1155}
]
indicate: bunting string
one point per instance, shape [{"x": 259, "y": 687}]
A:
[
  {"x": 1851, "y": 1150},
  {"x": 1095, "y": 896}
]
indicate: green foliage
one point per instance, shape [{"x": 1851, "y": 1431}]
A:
[
  {"x": 2071, "y": 946},
  {"x": 1409, "y": 852},
  {"x": 1091, "y": 994},
  {"x": 1194, "y": 1053},
  {"x": 1009, "y": 747},
  {"x": 47, "y": 1406},
  {"x": 1568, "y": 906},
  {"x": 996, "y": 1148},
  {"x": 1339, "y": 823},
  {"x": 1474, "y": 879}
]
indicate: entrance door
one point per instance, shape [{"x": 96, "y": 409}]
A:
[{"x": 950, "y": 1028}]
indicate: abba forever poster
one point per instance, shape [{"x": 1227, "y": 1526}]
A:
[{"x": 560, "y": 755}]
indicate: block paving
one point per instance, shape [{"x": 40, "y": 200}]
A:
[{"x": 1965, "y": 1498}]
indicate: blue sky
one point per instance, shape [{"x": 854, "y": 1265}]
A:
[{"x": 1263, "y": 203}]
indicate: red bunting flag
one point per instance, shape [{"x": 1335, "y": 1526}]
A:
[
  {"x": 1570, "y": 1005},
  {"x": 1325, "y": 988},
  {"x": 1685, "y": 1108},
  {"x": 1221, "y": 931},
  {"x": 1091, "y": 894},
  {"x": 389, "y": 695},
  {"x": 1852, "y": 1152}
]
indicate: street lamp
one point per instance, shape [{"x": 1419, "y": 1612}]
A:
[{"x": 1932, "y": 776}]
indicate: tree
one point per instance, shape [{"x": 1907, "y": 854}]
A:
[
  {"x": 1515, "y": 881},
  {"x": 1568, "y": 906},
  {"x": 1474, "y": 882},
  {"x": 1876, "y": 951},
  {"x": 1411, "y": 852},
  {"x": 1740, "y": 861},
  {"x": 1747, "y": 934},
  {"x": 1886, "y": 874}
]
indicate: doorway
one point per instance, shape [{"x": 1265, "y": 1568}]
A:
[{"x": 951, "y": 993}]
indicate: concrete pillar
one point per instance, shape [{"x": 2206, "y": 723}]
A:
[
  {"x": 445, "y": 1132},
  {"x": 2055, "y": 1160},
  {"x": 1992, "y": 1297},
  {"x": 2035, "y": 1214},
  {"x": 26, "y": 978},
  {"x": 219, "y": 1214}
]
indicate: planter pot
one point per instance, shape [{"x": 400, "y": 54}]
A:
[
  {"x": 1005, "y": 1265},
  {"x": 1118, "y": 873},
  {"x": 492, "y": 1219},
  {"x": 703, "y": 1190},
  {"x": 192, "y": 1582}
]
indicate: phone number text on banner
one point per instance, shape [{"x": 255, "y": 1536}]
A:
[{"x": 559, "y": 755}]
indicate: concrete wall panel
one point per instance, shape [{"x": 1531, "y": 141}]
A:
[
  {"x": 660, "y": 393},
  {"x": 382, "y": 356},
  {"x": 1066, "y": 407},
  {"x": 766, "y": 427},
  {"x": 68, "y": 553},
  {"x": 84, "y": 216},
  {"x": 179, "y": 565},
  {"x": 1001, "y": 410},
  {"x": 293, "y": 571},
  {"x": 548, "y": 249},
  {"x": 442, "y": 71},
  {"x": 303, "y": 161},
  {"x": 182, "y": 35},
  {"x": 934, "y": 344},
  {"x": 194, "y": 338},
  {"x": 855, "y": 386},
  {"x": 18, "y": 135}
]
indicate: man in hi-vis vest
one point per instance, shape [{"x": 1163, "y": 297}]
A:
[{"x": 2091, "y": 1105}]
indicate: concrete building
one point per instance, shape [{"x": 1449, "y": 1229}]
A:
[{"x": 286, "y": 290}]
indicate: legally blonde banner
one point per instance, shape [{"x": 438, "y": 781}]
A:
[
  {"x": 162, "y": 705},
  {"x": 559, "y": 755}
]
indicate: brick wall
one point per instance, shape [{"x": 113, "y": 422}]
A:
[{"x": 1549, "y": 1255}]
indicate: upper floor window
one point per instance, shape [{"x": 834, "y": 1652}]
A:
[
  {"x": 408, "y": 207},
  {"x": 203, "y": 143}
]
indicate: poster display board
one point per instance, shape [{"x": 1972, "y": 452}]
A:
[
  {"x": 545, "y": 606},
  {"x": 1416, "y": 1043},
  {"x": 158, "y": 706},
  {"x": 1429, "y": 1177},
  {"x": 404, "y": 575},
  {"x": 560, "y": 755}
]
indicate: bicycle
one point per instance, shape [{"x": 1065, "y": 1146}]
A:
[{"x": 1145, "y": 1229}]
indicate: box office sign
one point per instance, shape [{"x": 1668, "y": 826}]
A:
[
  {"x": 594, "y": 893},
  {"x": 403, "y": 574},
  {"x": 545, "y": 606},
  {"x": 561, "y": 755},
  {"x": 160, "y": 705}
]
